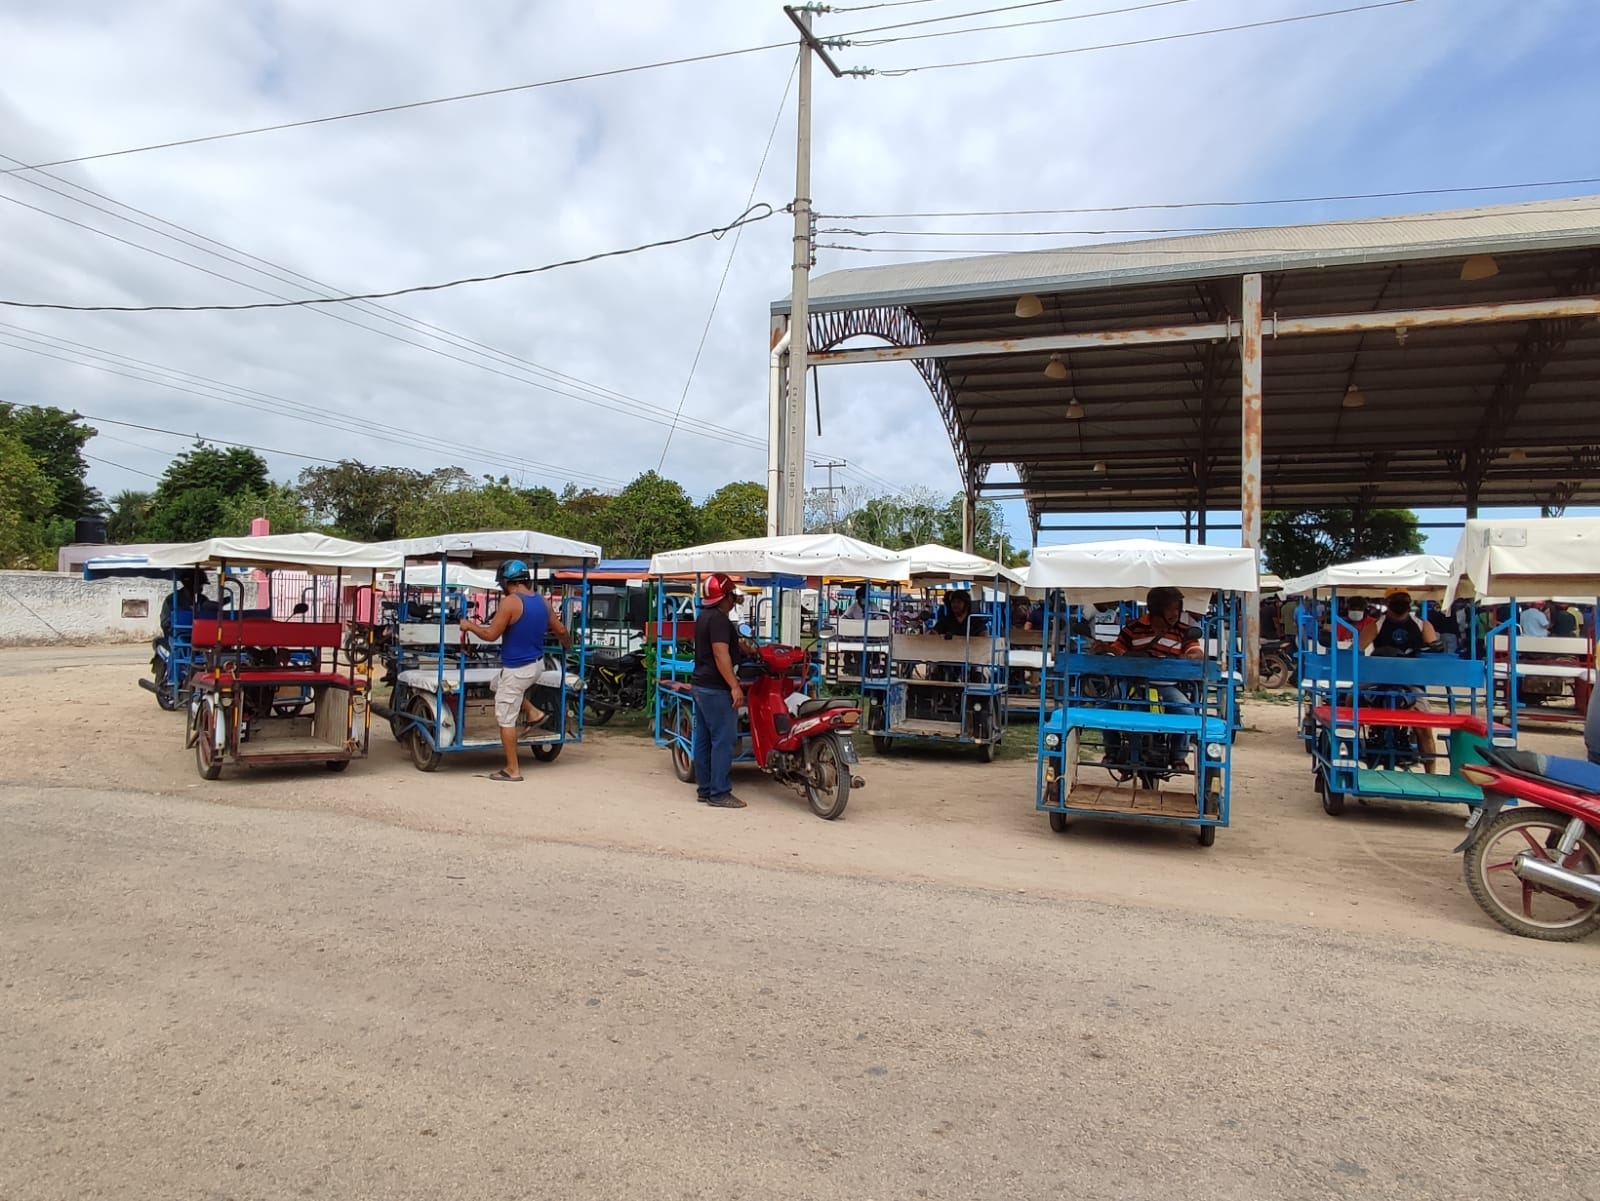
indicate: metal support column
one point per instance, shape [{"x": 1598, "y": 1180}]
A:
[
  {"x": 1250, "y": 350},
  {"x": 969, "y": 515}
]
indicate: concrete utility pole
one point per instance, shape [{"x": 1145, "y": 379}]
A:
[
  {"x": 832, "y": 488},
  {"x": 791, "y": 511}
]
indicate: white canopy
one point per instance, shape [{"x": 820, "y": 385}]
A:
[
  {"x": 1530, "y": 559},
  {"x": 1420, "y": 575},
  {"x": 831, "y": 556},
  {"x": 455, "y": 576},
  {"x": 130, "y": 561},
  {"x": 932, "y": 562},
  {"x": 311, "y": 552},
  {"x": 1126, "y": 570},
  {"x": 488, "y": 547}
]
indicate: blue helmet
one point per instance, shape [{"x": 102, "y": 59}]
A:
[{"x": 513, "y": 571}]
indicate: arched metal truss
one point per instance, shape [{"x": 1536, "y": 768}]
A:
[{"x": 898, "y": 327}]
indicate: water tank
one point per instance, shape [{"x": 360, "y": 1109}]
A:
[{"x": 90, "y": 530}]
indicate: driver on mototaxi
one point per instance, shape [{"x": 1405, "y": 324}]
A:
[
  {"x": 1402, "y": 633},
  {"x": 1162, "y": 633}
]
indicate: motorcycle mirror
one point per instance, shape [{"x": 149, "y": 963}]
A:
[{"x": 745, "y": 631}]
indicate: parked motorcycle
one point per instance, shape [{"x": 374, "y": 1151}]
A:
[
  {"x": 802, "y": 741},
  {"x": 1535, "y": 868},
  {"x": 613, "y": 682},
  {"x": 1277, "y": 663}
]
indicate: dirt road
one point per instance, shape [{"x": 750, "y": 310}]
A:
[{"x": 405, "y": 985}]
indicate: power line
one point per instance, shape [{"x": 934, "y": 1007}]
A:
[
  {"x": 282, "y": 407},
  {"x": 395, "y": 108},
  {"x": 455, "y": 341},
  {"x": 748, "y": 217},
  {"x": 198, "y": 437},
  {"x": 857, "y": 8},
  {"x": 1204, "y": 204},
  {"x": 1150, "y": 41},
  {"x": 981, "y": 12},
  {"x": 847, "y": 39},
  {"x": 783, "y": 103},
  {"x": 120, "y": 466}
]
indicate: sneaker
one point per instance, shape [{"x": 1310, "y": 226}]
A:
[{"x": 726, "y": 801}]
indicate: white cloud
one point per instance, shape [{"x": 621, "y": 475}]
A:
[{"x": 547, "y": 174}]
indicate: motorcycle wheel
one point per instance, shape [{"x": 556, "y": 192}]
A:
[
  {"x": 1520, "y": 907},
  {"x": 207, "y": 759},
  {"x": 1274, "y": 673},
  {"x": 424, "y": 755},
  {"x": 166, "y": 694},
  {"x": 827, "y": 777}
]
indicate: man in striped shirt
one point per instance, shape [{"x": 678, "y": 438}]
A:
[{"x": 1162, "y": 633}]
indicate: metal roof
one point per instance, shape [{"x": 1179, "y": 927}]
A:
[
  {"x": 1543, "y": 224},
  {"x": 1504, "y": 412}
]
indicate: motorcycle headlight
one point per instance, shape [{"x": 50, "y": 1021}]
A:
[
  {"x": 1215, "y": 750},
  {"x": 1052, "y": 742}
]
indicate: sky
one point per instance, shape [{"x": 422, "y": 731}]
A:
[{"x": 578, "y": 374}]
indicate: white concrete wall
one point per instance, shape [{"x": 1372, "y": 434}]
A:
[{"x": 44, "y": 608}]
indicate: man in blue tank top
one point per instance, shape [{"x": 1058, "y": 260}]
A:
[{"x": 520, "y": 623}]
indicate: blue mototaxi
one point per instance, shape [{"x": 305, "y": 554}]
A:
[
  {"x": 442, "y": 701},
  {"x": 949, "y": 684},
  {"x": 1125, "y": 705}
]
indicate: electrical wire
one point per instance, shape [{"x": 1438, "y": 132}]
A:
[
  {"x": 395, "y": 108},
  {"x": 857, "y": 8},
  {"x": 635, "y": 407},
  {"x": 1206, "y": 204},
  {"x": 198, "y": 437},
  {"x": 1157, "y": 229},
  {"x": 280, "y": 407},
  {"x": 783, "y": 103},
  {"x": 846, "y": 40},
  {"x": 981, "y": 12},
  {"x": 748, "y": 217},
  {"x": 119, "y": 466},
  {"x": 1149, "y": 41}
]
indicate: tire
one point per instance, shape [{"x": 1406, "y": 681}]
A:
[
  {"x": 827, "y": 777},
  {"x": 1274, "y": 673},
  {"x": 424, "y": 755},
  {"x": 337, "y": 765},
  {"x": 882, "y": 744},
  {"x": 598, "y": 714},
  {"x": 1332, "y": 802},
  {"x": 547, "y": 754},
  {"x": 683, "y": 751},
  {"x": 1058, "y": 822},
  {"x": 166, "y": 694},
  {"x": 1208, "y": 836},
  {"x": 207, "y": 759},
  {"x": 1536, "y": 830},
  {"x": 987, "y": 751}
]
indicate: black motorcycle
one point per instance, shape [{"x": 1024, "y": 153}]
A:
[{"x": 613, "y": 681}]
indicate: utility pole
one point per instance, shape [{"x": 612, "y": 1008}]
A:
[
  {"x": 791, "y": 514},
  {"x": 832, "y": 488}
]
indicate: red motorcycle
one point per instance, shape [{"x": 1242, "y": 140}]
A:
[
  {"x": 802, "y": 741},
  {"x": 1535, "y": 868}
]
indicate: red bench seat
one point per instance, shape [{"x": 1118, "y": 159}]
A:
[
  {"x": 260, "y": 677},
  {"x": 1411, "y": 718}
]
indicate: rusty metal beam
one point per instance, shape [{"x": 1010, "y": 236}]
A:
[
  {"x": 1549, "y": 309},
  {"x": 1042, "y": 344},
  {"x": 1250, "y": 456}
]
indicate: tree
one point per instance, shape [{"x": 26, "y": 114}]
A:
[
  {"x": 366, "y": 503},
  {"x": 26, "y": 499},
  {"x": 191, "y": 500},
  {"x": 1297, "y": 544},
  {"x": 734, "y": 511},
  {"x": 651, "y": 514},
  {"x": 281, "y": 504},
  {"x": 130, "y": 513},
  {"x": 55, "y": 440}
]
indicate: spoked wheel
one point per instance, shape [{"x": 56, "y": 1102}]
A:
[
  {"x": 683, "y": 746},
  {"x": 600, "y": 699},
  {"x": 424, "y": 755},
  {"x": 167, "y": 693},
  {"x": 1274, "y": 673},
  {"x": 207, "y": 758},
  {"x": 1519, "y": 906},
  {"x": 827, "y": 777}
]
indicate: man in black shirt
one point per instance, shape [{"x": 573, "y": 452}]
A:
[{"x": 717, "y": 695}]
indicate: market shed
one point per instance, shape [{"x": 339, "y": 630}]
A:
[{"x": 1434, "y": 360}]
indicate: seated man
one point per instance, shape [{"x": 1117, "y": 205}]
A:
[
  {"x": 1402, "y": 632},
  {"x": 1162, "y": 633},
  {"x": 858, "y": 608},
  {"x": 957, "y": 620}
]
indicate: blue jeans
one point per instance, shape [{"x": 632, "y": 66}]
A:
[
  {"x": 716, "y": 729},
  {"x": 1175, "y": 700}
]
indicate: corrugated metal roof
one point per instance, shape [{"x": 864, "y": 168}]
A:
[{"x": 1545, "y": 224}]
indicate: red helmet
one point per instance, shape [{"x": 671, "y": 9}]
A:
[{"x": 717, "y": 588}]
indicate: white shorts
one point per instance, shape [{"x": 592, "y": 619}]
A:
[{"x": 510, "y": 686}]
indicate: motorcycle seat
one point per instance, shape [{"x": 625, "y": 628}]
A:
[
  {"x": 1572, "y": 773},
  {"x": 822, "y": 704},
  {"x": 621, "y": 660}
]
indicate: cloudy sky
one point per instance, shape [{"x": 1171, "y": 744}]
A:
[{"x": 576, "y": 374}]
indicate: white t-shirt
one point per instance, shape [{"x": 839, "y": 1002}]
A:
[{"x": 1534, "y": 623}]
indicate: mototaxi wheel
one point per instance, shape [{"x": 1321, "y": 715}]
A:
[
  {"x": 207, "y": 758},
  {"x": 336, "y": 765},
  {"x": 683, "y": 745},
  {"x": 1516, "y": 905},
  {"x": 1208, "y": 836},
  {"x": 547, "y": 752},
  {"x": 424, "y": 755},
  {"x": 882, "y": 744},
  {"x": 1332, "y": 802},
  {"x": 1058, "y": 822},
  {"x": 827, "y": 776}
]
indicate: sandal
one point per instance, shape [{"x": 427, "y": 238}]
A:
[{"x": 503, "y": 777}]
